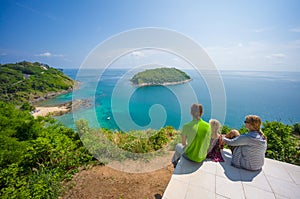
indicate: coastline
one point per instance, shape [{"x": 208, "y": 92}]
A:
[
  {"x": 60, "y": 109},
  {"x": 51, "y": 95},
  {"x": 52, "y": 110},
  {"x": 163, "y": 84}
]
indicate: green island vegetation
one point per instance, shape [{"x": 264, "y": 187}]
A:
[
  {"x": 26, "y": 82},
  {"x": 37, "y": 156},
  {"x": 160, "y": 76}
]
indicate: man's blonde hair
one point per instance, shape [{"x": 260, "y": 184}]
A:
[{"x": 196, "y": 111}]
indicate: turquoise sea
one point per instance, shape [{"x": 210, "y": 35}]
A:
[{"x": 271, "y": 95}]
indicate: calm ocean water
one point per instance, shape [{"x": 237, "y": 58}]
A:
[{"x": 271, "y": 95}]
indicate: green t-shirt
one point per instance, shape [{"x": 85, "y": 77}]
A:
[{"x": 198, "y": 135}]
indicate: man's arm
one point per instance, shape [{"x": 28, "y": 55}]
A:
[{"x": 183, "y": 140}]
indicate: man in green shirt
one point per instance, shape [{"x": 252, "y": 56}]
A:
[{"x": 196, "y": 136}]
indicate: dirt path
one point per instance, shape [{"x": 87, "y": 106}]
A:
[{"x": 106, "y": 182}]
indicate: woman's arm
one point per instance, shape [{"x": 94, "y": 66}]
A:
[{"x": 240, "y": 140}]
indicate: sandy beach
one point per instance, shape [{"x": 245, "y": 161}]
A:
[{"x": 54, "y": 110}]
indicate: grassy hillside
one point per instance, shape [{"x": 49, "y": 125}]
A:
[
  {"x": 26, "y": 81},
  {"x": 159, "y": 76}
]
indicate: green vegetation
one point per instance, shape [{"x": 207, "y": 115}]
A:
[
  {"x": 283, "y": 141},
  {"x": 36, "y": 155},
  {"x": 109, "y": 145},
  {"x": 159, "y": 76},
  {"x": 282, "y": 144},
  {"x": 26, "y": 81}
]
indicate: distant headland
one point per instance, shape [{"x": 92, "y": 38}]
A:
[
  {"x": 160, "y": 76},
  {"x": 32, "y": 82}
]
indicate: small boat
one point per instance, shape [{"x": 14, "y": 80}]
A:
[{"x": 108, "y": 118}]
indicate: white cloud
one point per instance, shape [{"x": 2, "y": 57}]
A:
[
  {"x": 137, "y": 54},
  {"x": 294, "y": 30},
  {"x": 276, "y": 56},
  {"x": 257, "y": 56},
  {"x": 260, "y": 30},
  {"x": 240, "y": 45},
  {"x": 48, "y": 54}
]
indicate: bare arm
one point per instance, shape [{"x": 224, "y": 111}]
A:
[{"x": 183, "y": 140}]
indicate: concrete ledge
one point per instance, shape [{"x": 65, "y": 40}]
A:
[{"x": 209, "y": 179}]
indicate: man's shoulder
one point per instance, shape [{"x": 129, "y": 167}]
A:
[
  {"x": 190, "y": 123},
  {"x": 204, "y": 123}
]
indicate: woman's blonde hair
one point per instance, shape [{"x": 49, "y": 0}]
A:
[
  {"x": 255, "y": 123},
  {"x": 215, "y": 126},
  {"x": 196, "y": 111}
]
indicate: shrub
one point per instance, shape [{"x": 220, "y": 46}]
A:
[
  {"x": 281, "y": 144},
  {"x": 36, "y": 154}
]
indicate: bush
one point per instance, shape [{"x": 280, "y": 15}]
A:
[
  {"x": 36, "y": 154},
  {"x": 107, "y": 145},
  {"x": 282, "y": 145}
]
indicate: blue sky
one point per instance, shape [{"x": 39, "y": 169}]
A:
[{"x": 244, "y": 35}]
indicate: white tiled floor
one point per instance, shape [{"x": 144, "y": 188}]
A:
[{"x": 220, "y": 180}]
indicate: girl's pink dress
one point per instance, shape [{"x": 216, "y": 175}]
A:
[{"x": 215, "y": 154}]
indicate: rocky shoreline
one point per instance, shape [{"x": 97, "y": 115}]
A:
[
  {"x": 59, "y": 109},
  {"x": 163, "y": 84},
  {"x": 38, "y": 99}
]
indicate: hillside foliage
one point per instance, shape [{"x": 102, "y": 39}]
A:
[
  {"x": 159, "y": 76},
  {"x": 25, "y": 81},
  {"x": 36, "y": 155},
  {"x": 108, "y": 145}
]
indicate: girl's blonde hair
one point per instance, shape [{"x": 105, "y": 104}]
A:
[
  {"x": 255, "y": 123},
  {"x": 215, "y": 126}
]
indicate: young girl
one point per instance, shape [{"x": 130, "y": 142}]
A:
[
  {"x": 230, "y": 135},
  {"x": 214, "y": 150}
]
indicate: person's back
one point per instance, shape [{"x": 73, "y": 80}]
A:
[
  {"x": 250, "y": 155},
  {"x": 195, "y": 138},
  {"x": 250, "y": 148},
  {"x": 198, "y": 139}
]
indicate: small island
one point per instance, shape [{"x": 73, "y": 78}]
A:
[{"x": 160, "y": 76}]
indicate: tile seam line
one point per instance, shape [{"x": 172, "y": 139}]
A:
[
  {"x": 260, "y": 188},
  {"x": 289, "y": 174},
  {"x": 278, "y": 178},
  {"x": 244, "y": 191},
  {"x": 216, "y": 184},
  {"x": 270, "y": 184},
  {"x": 191, "y": 185}
]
